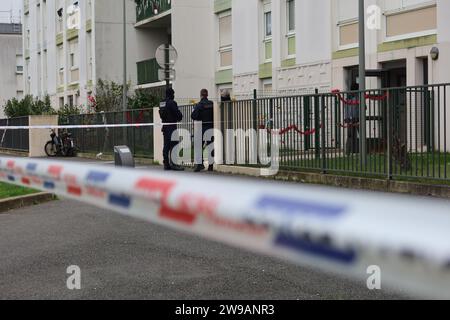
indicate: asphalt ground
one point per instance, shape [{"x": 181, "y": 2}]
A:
[{"x": 123, "y": 258}]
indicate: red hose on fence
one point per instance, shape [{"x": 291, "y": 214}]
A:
[
  {"x": 292, "y": 128},
  {"x": 337, "y": 92}
]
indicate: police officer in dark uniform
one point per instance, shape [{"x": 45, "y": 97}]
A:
[
  {"x": 170, "y": 115},
  {"x": 204, "y": 112}
]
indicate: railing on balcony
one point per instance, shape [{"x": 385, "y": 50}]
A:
[
  {"x": 150, "y": 8},
  {"x": 147, "y": 71}
]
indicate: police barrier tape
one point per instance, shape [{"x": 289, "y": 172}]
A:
[{"x": 344, "y": 232}]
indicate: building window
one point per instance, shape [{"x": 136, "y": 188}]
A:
[
  {"x": 267, "y": 33},
  {"x": 290, "y": 7},
  {"x": 267, "y": 22},
  {"x": 27, "y": 42},
  {"x": 71, "y": 104},
  {"x": 19, "y": 64},
  {"x": 290, "y": 44},
  {"x": 348, "y": 35},
  {"x": 267, "y": 86},
  {"x": 225, "y": 40},
  {"x": 73, "y": 53},
  {"x": 89, "y": 10},
  {"x": 60, "y": 65},
  {"x": 351, "y": 76},
  {"x": 421, "y": 21},
  {"x": 59, "y": 20},
  {"x": 73, "y": 61}
]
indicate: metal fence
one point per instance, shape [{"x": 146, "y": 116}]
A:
[
  {"x": 16, "y": 140},
  {"x": 103, "y": 140},
  {"x": 188, "y": 125},
  {"x": 404, "y": 134},
  {"x": 405, "y": 131}
]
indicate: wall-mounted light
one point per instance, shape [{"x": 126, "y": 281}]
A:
[{"x": 434, "y": 53}]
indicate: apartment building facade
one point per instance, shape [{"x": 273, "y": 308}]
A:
[
  {"x": 69, "y": 45},
  {"x": 300, "y": 45},
  {"x": 11, "y": 63},
  {"x": 274, "y": 46}
]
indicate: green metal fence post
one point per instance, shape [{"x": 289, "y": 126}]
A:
[
  {"x": 306, "y": 120},
  {"x": 317, "y": 124},
  {"x": 254, "y": 111},
  {"x": 389, "y": 116},
  {"x": 323, "y": 131}
]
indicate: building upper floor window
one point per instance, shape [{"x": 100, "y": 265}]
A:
[
  {"x": 290, "y": 7},
  {"x": 19, "y": 63},
  {"x": 73, "y": 53},
  {"x": 267, "y": 20},
  {"x": 59, "y": 20},
  {"x": 225, "y": 39}
]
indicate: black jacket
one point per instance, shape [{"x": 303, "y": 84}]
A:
[
  {"x": 204, "y": 111},
  {"x": 169, "y": 112}
]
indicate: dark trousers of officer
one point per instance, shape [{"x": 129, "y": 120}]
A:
[
  {"x": 206, "y": 128},
  {"x": 168, "y": 145},
  {"x": 205, "y": 146},
  {"x": 352, "y": 145}
]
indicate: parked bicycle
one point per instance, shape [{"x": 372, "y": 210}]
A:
[{"x": 60, "y": 146}]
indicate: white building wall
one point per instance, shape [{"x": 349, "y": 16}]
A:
[
  {"x": 246, "y": 45},
  {"x": 11, "y": 83},
  {"x": 193, "y": 35},
  {"x": 313, "y": 47},
  {"x": 109, "y": 40}
]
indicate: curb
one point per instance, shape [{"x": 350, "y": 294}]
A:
[
  {"x": 107, "y": 157},
  {"x": 15, "y": 153},
  {"x": 25, "y": 201},
  {"x": 358, "y": 183}
]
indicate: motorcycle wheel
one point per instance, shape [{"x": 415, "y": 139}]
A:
[{"x": 50, "y": 149}]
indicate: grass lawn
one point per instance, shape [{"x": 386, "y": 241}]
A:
[
  {"x": 423, "y": 167},
  {"x": 8, "y": 190}
]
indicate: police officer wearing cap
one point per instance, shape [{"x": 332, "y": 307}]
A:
[{"x": 170, "y": 115}]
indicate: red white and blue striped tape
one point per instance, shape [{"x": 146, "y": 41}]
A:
[{"x": 338, "y": 231}]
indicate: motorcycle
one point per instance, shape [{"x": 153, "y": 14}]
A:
[{"x": 62, "y": 146}]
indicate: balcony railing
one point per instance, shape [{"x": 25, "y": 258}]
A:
[
  {"x": 150, "y": 8},
  {"x": 147, "y": 71}
]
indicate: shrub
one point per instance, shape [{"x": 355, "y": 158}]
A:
[{"x": 28, "y": 106}]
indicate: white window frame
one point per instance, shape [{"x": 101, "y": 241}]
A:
[
  {"x": 267, "y": 7},
  {"x": 60, "y": 21},
  {"x": 406, "y": 9},
  {"x": 290, "y": 32},
  {"x": 343, "y": 24},
  {"x": 226, "y": 48},
  {"x": 75, "y": 57},
  {"x": 21, "y": 59},
  {"x": 264, "y": 82}
]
